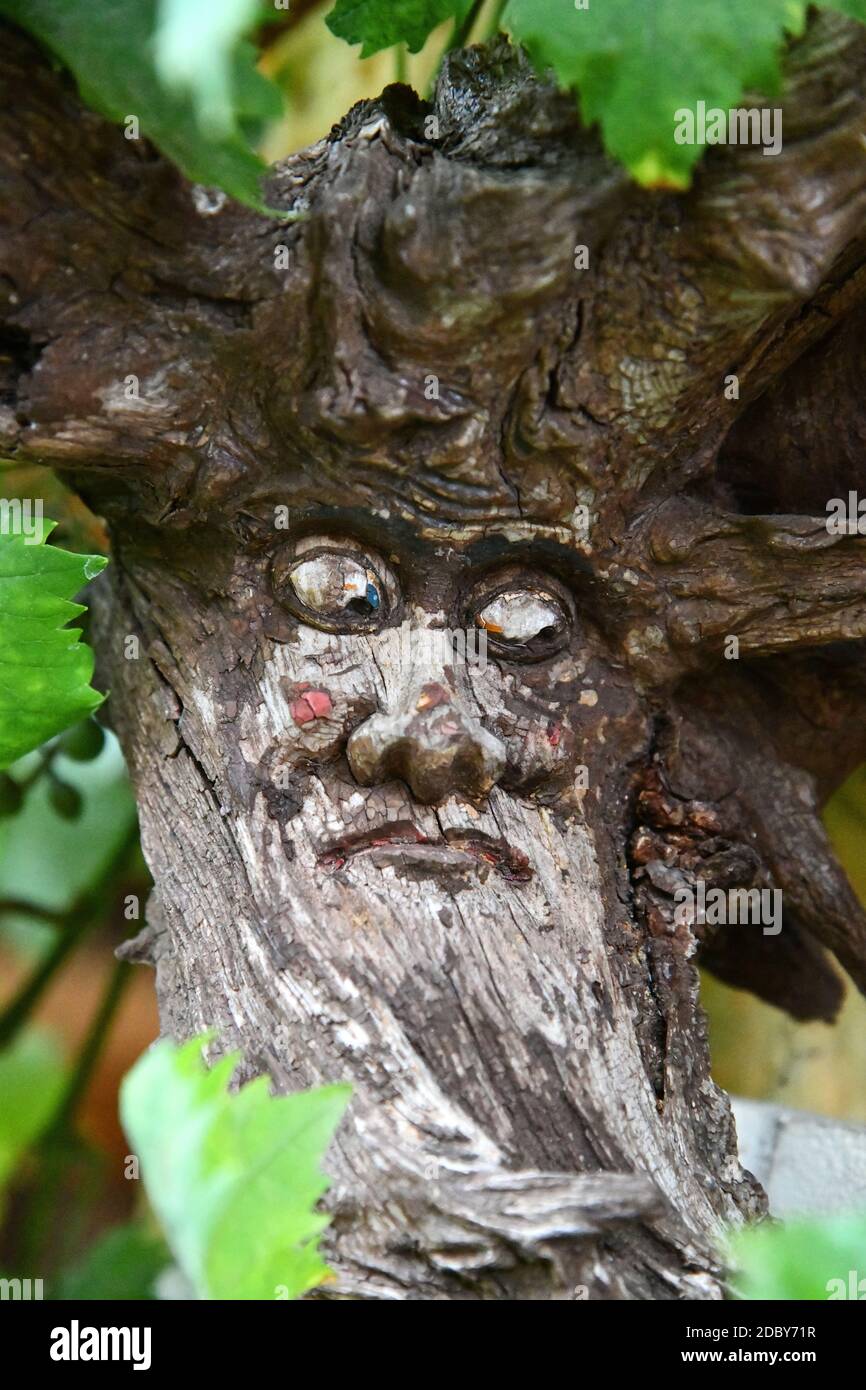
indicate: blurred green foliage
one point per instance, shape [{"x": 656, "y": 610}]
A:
[
  {"x": 31, "y": 1081},
  {"x": 818, "y": 1260},
  {"x": 125, "y": 1263},
  {"x": 78, "y": 850},
  {"x": 233, "y": 1176}
]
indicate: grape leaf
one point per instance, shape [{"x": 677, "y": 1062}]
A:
[
  {"x": 44, "y": 669},
  {"x": 233, "y": 1177},
  {"x": 201, "y": 113},
  {"x": 634, "y": 70},
  {"x": 379, "y": 24},
  {"x": 807, "y": 1259}
]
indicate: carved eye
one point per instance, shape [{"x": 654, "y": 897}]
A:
[
  {"x": 525, "y": 624},
  {"x": 339, "y": 590}
]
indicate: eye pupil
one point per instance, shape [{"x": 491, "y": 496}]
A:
[
  {"x": 367, "y": 604},
  {"x": 364, "y": 606}
]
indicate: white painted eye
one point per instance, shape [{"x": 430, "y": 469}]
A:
[
  {"x": 531, "y": 621},
  {"x": 333, "y": 584},
  {"x": 341, "y": 590}
]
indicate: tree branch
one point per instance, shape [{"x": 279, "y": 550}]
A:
[{"x": 773, "y": 583}]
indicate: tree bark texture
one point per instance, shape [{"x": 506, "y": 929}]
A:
[{"x": 448, "y": 883}]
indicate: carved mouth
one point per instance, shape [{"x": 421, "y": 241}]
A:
[{"x": 401, "y": 845}]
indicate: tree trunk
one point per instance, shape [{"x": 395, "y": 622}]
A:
[{"x": 320, "y": 441}]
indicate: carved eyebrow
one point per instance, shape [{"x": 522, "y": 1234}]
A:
[
  {"x": 360, "y": 526},
  {"x": 404, "y": 541},
  {"x": 541, "y": 550}
]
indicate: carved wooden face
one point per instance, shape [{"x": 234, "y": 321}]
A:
[{"x": 422, "y": 681}]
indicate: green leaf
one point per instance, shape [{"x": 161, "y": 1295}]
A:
[
  {"x": 233, "y": 1177},
  {"x": 193, "y": 50},
  {"x": 199, "y": 51},
  {"x": 203, "y": 108},
  {"x": 31, "y": 1080},
  {"x": 855, "y": 9},
  {"x": 379, "y": 24},
  {"x": 124, "y": 1263},
  {"x": 812, "y": 1259},
  {"x": 44, "y": 669},
  {"x": 634, "y": 71}
]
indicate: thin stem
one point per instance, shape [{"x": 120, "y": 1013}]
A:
[
  {"x": 60, "y": 1149},
  {"x": 61, "y": 1122},
  {"x": 401, "y": 64},
  {"x": 46, "y": 753},
  {"x": 48, "y": 1238},
  {"x": 22, "y": 1004},
  {"x": 462, "y": 31},
  {"x": 495, "y": 22},
  {"x": 43, "y": 762},
  {"x": 24, "y": 908},
  {"x": 73, "y": 925}
]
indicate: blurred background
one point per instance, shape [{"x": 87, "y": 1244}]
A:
[{"x": 73, "y": 883}]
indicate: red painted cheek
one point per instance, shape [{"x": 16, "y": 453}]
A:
[{"x": 312, "y": 704}]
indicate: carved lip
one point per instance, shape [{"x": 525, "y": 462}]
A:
[{"x": 401, "y": 842}]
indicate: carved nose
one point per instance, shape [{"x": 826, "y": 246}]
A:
[{"x": 432, "y": 744}]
